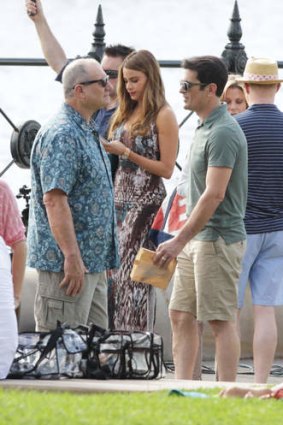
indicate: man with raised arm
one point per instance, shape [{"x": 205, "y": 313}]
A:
[
  {"x": 210, "y": 245},
  {"x": 57, "y": 60}
]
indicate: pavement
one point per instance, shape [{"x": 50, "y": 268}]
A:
[
  {"x": 166, "y": 383},
  {"x": 245, "y": 373}
]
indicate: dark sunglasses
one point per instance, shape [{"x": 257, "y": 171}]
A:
[
  {"x": 102, "y": 82},
  {"x": 112, "y": 73},
  {"x": 187, "y": 85}
]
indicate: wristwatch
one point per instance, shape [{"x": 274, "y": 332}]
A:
[{"x": 126, "y": 153}]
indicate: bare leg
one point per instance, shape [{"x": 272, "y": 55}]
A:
[
  {"x": 238, "y": 323},
  {"x": 239, "y": 333},
  {"x": 227, "y": 346},
  {"x": 185, "y": 343},
  {"x": 197, "y": 374},
  {"x": 264, "y": 342}
]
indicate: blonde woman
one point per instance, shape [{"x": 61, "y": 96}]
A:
[
  {"x": 144, "y": 134},
  {"x": 234, "y": 95}
]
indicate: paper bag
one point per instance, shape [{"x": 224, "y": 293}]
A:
[{"x": 145, "y": 271}]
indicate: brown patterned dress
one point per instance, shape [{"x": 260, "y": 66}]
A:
[{"x": 138, "y": 196}]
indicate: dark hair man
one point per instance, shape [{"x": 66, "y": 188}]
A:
[{"x": 210, "y": 245}]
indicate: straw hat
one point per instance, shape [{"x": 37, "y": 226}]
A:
[{"x": 260, "y": 71}]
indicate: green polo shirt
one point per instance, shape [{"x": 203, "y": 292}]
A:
[{"x": 220, "y": 142}]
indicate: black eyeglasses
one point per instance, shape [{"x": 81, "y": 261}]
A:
[
  {"x": 112, "y": 73},
  {"x": 102, "y": 81},
  {"x": 187, "y": 85}
]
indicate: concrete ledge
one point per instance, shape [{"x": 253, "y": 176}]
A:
[{"x": 93, "y": 386}]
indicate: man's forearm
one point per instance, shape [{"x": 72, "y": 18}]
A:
[
  {"x": 18, "y": 268},
  {"x": 201, "y": 214},
  {"x": 52, "y": 50},
  {"x": 61, "y": 225}
]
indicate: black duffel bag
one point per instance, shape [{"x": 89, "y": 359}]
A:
[
  {"x": 124, "y": 355},
  {"x": 53, "y": 355}
]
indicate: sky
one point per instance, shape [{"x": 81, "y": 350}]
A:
[{"x": 172, "y": 29}]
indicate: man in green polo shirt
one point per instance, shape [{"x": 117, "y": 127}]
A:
[{"x": 210, "y": 246}]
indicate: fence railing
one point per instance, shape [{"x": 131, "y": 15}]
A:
[{"x": 42, "y": 62}]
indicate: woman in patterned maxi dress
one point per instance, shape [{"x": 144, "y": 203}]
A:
[{"x": 144, "y": 134}]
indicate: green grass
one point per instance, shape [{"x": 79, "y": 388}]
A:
[{"x": 40, "y": 408}]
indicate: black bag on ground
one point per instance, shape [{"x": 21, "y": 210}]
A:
[
  {"x": 52, "y": 355},
  {"x": 124, "y": 355}
]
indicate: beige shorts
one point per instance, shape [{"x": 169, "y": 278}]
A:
[
  {"x": 206, "y": 279},
  {"x": 52, "y": 303}
]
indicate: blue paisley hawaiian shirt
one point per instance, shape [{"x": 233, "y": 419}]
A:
[{"x": 67, "y": 155}]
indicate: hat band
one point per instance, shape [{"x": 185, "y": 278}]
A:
[{"x": 257, "y": 77}]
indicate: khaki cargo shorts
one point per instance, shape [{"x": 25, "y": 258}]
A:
[
  {"x": 206, "y": 279},
  {"x": 52, "y": 303}
]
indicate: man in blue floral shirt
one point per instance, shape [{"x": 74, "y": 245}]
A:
[{"x": 71, "y": 237}]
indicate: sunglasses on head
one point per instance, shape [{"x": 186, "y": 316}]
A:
[
  {"x": 102, "y": 82},
  {"x": 112, "y": 73},
  {"x": 187, "y": 85}
]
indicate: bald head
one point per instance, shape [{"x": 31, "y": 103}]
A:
[
  {"x": 77, "y": 71},
  {"x": 86, "y": 86},
  {"x": 261, "y": 93}
]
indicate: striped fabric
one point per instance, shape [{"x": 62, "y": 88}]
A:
[{"x": 263, "y": 128}]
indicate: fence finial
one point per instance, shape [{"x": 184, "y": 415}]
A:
[
  {"x": 98, "y": 45},
  {"x": 234, "y": 54}
]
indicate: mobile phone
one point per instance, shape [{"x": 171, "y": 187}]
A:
[
  {"x": 103, "y": 140},
  {"x": 30, "y": 13}
]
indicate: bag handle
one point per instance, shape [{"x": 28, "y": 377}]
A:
[{"x": 54, "y": 336}]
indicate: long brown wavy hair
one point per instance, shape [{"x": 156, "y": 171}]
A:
[{"x": 153, "y": 98}]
